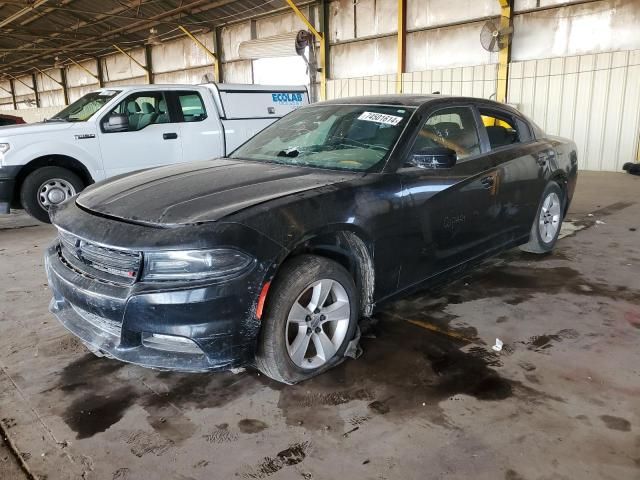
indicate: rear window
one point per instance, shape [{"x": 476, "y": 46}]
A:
[
  {"x": 191, "y": 107},
  {"x": 502, "y": 129}
]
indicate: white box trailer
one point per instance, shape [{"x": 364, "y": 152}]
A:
[{"x": 122, "y": 129}]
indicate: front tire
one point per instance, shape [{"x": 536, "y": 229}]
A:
[
  {"x": 48, "y": 186},
  {"x": 310, "y": 318},
  {"x": 548, "y": 221}
]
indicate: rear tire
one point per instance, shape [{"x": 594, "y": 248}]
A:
[
  {"x": 301, "y": 335},
  {"x": 548, "y": 221},
  {"x": 48, "y": 186}
]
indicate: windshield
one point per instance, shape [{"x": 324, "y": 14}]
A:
[
  {"x": 83, "y": 109},
  {"x": 338, "y": 137}
]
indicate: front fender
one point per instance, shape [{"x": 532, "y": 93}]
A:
[{"x": 89, "y": 156}]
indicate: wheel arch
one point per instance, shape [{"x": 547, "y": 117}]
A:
[
  {"x": 562, "y": 179},
  {"x": 346, "y": 245},
  {"x": 63, "y": 161}
]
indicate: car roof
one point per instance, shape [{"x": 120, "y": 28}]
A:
[
  {"x": 412, "y": 100},
  {"x": 407, "y": 100}
]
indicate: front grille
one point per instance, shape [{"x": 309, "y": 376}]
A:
[{"x": 103, "y": 263}]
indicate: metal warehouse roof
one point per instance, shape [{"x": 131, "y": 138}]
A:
[{"x": 34, "y": 32}]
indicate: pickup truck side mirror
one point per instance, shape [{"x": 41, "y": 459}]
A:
[
  {"x": 116, "y": 123},
  {"x": 434, "y": 158}
]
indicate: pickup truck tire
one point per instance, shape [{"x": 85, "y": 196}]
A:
[
  {"x": 310, "y": 317},
  {"x": 48, "y": 186}
]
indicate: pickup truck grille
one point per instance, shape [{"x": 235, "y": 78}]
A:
[{"x": 107, "y": 264}]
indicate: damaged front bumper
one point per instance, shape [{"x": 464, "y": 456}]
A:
[{"x": 184, "y": 329}]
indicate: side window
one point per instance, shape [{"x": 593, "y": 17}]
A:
[
  {"x": 453, "y": 128},
  {"x": 191, "y": 106},
  {"x": 502, "y": 129},
  {"x": 141, "y": 110}
]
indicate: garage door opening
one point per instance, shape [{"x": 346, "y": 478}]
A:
[
  {"x": 280, "y": 59},
  {"x": 280, "y": 71}
]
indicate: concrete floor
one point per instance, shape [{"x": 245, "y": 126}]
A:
[{"x": 428, "y": 399}]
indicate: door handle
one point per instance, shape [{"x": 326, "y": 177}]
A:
[
  {"x": 169, "y": 136},
  {"x": 488, "y": 182}
]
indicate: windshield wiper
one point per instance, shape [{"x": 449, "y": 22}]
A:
[
  {"x": 289, "y": 153},
  {"x": 55, "y": 119}
]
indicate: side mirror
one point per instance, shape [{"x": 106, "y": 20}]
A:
[
  {"x": 116, "y": 123},
  {"x": 434, "y": 158}
]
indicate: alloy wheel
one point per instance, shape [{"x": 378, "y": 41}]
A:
[
  {"x": 317, "y": 323},
  {"x": 549, "y": 221}
]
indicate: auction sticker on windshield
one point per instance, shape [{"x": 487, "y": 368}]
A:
[{"x": 380, "y": 118}]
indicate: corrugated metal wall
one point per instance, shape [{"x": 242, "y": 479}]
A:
[
  {"x": 594, "y": 99},
  {"x": 477, "y": 81}
]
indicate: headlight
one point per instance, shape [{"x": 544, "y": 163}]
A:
[
  {"x": 4, "y": 147},
  {"x": 194, "y": 264}
]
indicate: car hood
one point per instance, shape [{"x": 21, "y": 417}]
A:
[
  {"x": 34, "y": 128},
  {"x": 200, "y": 191}
]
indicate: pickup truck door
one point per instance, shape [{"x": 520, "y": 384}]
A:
[
  {"x": 151, "y": 139},
  {"x": 200, "y": 128}
]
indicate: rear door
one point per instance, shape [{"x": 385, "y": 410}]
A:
[
  {"x": 522, "y": 164},
  {"x": 451, "y": 212},
  {"x": 152, "y": 137},
  {"x": 199, "y": 126}
]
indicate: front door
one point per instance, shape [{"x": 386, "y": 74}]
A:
[
  {"x": 150, "y": 140},
  {"x": 453, "y": 212}
]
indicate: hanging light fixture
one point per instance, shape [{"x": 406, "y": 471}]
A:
[
  {"x": 153, "y": 38},
  {"x": 58, "y": 63}
]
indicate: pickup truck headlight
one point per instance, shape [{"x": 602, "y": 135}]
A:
[{"x": 194, "y": 264}]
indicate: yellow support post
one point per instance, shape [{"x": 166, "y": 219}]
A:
[
  {"x": 216, "y": 63},
  {"x": 148, "y": 73},
  {"x": 323, "y": 48},
  {"x": 504, "y": 54},
  {"x": 85, "y": 69},
  {"x": 402, "y": 43}
]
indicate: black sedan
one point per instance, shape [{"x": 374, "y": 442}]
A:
[{"x": 269, "y": 257}]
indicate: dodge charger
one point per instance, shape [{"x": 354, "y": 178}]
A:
[{"x": 269, "y": 257}]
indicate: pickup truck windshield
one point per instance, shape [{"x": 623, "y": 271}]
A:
[
  {"x": 336, "y": 137},
  {"x": 83, "y": 109}
]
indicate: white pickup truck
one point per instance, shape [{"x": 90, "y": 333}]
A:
[{"x": 121, "y": 129}]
